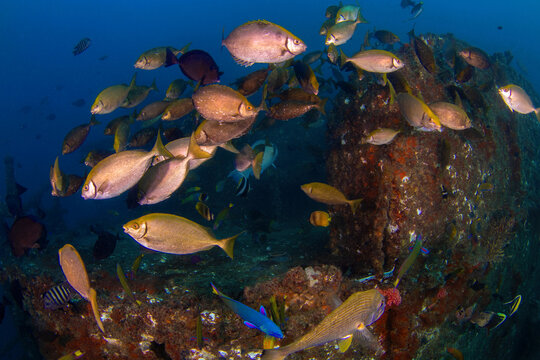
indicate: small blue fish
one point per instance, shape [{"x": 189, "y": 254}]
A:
[
  {"x": 386, "y": 275},
  {"x": 252, "y": 318}
]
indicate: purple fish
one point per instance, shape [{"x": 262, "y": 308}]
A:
[{"x": 197, "y": 65}]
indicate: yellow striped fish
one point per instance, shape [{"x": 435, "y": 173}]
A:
[{"x": 360, "y": 310}]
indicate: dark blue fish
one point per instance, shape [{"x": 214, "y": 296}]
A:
[
  {"x": 252, "y": 318},
  {"x": 57, "y": 296},
  {"x": 104, "y": 245},
  {"x": 81, "y": 46}
]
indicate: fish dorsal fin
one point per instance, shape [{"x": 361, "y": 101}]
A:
[
  {"x": 260, "y": 21},
  {"x": 334, "y": 301},
  {"x": 266, "y": 22},
  {"x": 345, "y": 343},
  {"x": 132, "y": 84},
  {"x": 242, "y": 62},
  {"x": 262, "y": 310}
]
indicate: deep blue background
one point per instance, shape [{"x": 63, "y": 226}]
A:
[{"x": 39, "y": 70}]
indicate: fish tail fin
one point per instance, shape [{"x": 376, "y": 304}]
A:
[
  {"x": 228, "y": 244},
  {"x": 342, "y": 58},
  {"x": 185, "y": 48},
  {"x": 95, "y": 309},
  {"x": 132, "y": 83},
  {"x": 273, "y": 354},
  {"x": 355, "y": 204},
  {"x": 170, "y": 58},
  {"x": 215, "y": 290},
  {"x": 154, "y": 86},
  {"x": 537, "y": 113},
  {"x": 392, "y": 91},
  {"x": 322, "y": 105},
  {"x": 93, "y": 120},
  {"x": 256, "y": 165},
  {"x": 194, "y": 148},
  {"x": 229, "y": 146},
  {"x": 159, "y": 148}
]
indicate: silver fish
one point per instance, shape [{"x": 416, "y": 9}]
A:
[
  {"x": 517, "y": 100},
  {"x": 261, "y": 41},
  {"x": 119, "y": 172}
]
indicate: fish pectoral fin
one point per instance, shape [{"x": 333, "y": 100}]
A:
[
  {"x": 250, "y": 325},
  {"x": 103, "y": 187},
  {"x": 345, "y": 343}
]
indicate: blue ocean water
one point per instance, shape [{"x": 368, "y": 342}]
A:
[
  {"x": 40, "y": 76},
  {"x": 39, "y": 71}
]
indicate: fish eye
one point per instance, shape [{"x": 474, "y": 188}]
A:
[
  {"x": 249, "y": 108},
  {"x": 135, "y": 226},
  {"x": 85, "y": 187},
  {"x": 296, "y": 42}
]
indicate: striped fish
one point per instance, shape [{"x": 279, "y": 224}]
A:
[
  {"x": 57, "y": 296},
  {"x": 81, "y": 46},
  {"x": 360, "y": 310},
  {"x": 243, "y": 187}
]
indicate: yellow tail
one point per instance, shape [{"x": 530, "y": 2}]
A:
[
  {"x": 342, "y": 58},
  {"x": 228, "y": 244},
  {"x": 159, "y": 148},
  {"x": 355, "y": 204},
  {"x": 194, "y": 149},
  {"x": 537, "y": 113},
  {"x": 95, "y": 309}
]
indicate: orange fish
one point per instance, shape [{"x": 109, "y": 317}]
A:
[{"x": 319, "y": 218}]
